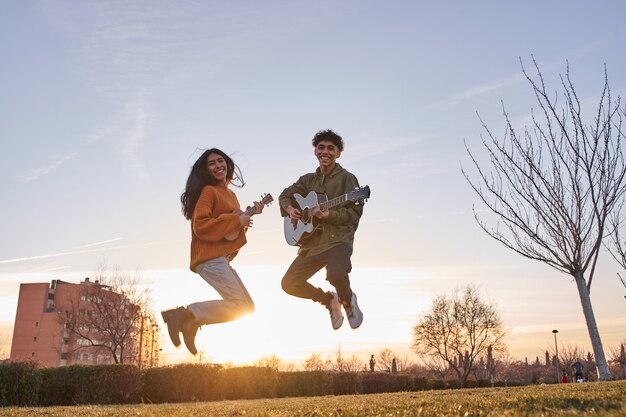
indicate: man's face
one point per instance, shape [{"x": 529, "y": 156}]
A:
[{"x": 326, "y": 153}]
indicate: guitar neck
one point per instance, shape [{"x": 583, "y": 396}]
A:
[{"x": 334, "y": 202}]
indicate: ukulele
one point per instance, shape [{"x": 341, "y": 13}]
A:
[{"x": 250, "y": 211}]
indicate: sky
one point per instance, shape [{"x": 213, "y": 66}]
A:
[{"x": 106, "y": 105}]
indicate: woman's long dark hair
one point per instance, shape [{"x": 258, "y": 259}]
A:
[{"x": 199, "y": 177}]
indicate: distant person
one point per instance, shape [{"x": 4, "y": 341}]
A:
[
  {"x": 372, "y": 363},
  {"x": 578, "y": 371},
  {"x": 564, "y": 378},
  {"x": 217, "y": 233},
  {"x": 329, "y": 243}
]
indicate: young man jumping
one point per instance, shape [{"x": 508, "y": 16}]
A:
[{"x": 329, "y": 246}]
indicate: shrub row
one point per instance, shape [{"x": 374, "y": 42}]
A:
[{"x": 22, "y": 384}]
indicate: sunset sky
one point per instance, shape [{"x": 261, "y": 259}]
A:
[{"x": 104, "y": 107}]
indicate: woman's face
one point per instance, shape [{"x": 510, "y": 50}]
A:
[{"x": 217, "y": 167}]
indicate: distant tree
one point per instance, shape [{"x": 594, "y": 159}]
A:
[
  {"x": 338, "y": 364},
  {"x": 315, "y": 363},
  {"x": 437, "y": 367},
  {"x": 109, "y": 318},
  {"x": 270, "y": 361},
  {"x": 568, "y": 354},
  {"x": 492, "y": 365},
  {"x": 618, "y": 357},
  {"x": 385, "y": 358},
  {"x": 353, "y": 364},
  {"x": 554, "y": 187},
  {"x": 488, "y": 366},
  {"x": 457, "y": 331},
  {"x": 403, "y": 363},
  {"x": 372, "y": 363}
]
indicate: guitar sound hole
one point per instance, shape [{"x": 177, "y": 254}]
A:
[{"x": 305, "y": 215}]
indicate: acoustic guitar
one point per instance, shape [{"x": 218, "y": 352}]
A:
[{"x": 298, "y": 230}]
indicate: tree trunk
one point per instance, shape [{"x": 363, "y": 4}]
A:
[{"x": 596, "y": 343}]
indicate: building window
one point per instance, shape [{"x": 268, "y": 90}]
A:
[
  {"x": 36, "y": 324},
  {"x": 50, "y": 296},
  {"x": 35, "y": 339},
  {"x": 32, "y": 354},
  {"x": 63, "y": 356}
]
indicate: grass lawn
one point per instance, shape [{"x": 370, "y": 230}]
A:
[{"x": 586, "y": 399}]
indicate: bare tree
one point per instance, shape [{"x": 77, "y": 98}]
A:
[
  {"x": 272, "y": 361},
  {"x": 436, "y": 366},
  {"x": 316, "y": 363},
  {"x": 568, "y": 354},
  {"x": 111, "y": 317},
  {"x": 553, "y": 187},
  {"x": 617, "y": 245},
  {"x": 275, "y": 362},
  {"x": 618, "y": 356},
  {"x": 403, "y": 363},
  {"x": 385, "y": 359},
  {"x": 458, "y": 331},
  {"x": 353, "y": 364}
]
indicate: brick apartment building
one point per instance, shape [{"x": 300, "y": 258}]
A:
[{"x": 57, "y": 324}]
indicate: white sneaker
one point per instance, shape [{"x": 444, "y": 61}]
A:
[
  {"x": 336, "y": 316},
  {"x": 354, "y": 313}
]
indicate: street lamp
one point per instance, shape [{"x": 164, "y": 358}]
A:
[{"x": 556, "y": 348}]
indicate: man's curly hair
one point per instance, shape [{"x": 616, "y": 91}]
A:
[{"x": 330, "y": 136}]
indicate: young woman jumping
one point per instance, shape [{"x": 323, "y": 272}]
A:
[{"x": 217, "y": 233}]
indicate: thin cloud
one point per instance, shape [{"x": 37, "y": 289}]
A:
[
  {"x": 478, "y": 90},
  {"x": 508, "y": 81},
  {"x": 77, "y": 251},
  {"x": 102, "y": 242},
  {"x": 54, "y": 162},
  {"x": 74, "y": 251}
]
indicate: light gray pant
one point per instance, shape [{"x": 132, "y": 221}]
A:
[{"x": 235, "y": 302}]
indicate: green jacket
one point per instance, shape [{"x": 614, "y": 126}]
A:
[{"x": 343, "y": 220}]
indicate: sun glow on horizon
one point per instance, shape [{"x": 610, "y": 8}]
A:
[{"x": 289, "y": 327}]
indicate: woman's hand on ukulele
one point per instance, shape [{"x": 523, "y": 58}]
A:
[
  {"x": 245, "y": 220},
  {"x": 259, "y": 207}
]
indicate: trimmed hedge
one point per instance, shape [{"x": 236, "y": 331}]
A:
[
  {"x": 99, "y": 384},
  {"x": 19, "y": 384},
  {"x": 305, "y": 384},
  {"x": 23, "y": 384},
  {"x": 249, "y": 383},
  {"x": 346, "y": 383},
  {"x": 181, "y": 383}
]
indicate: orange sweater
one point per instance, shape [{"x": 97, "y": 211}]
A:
[{"x": 212, "y": 220}]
